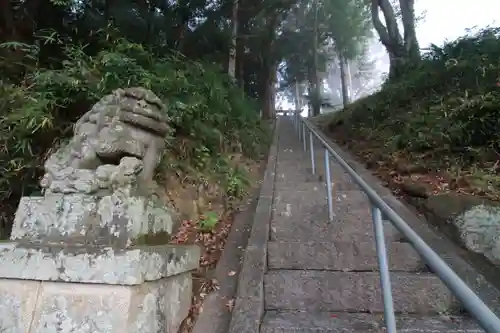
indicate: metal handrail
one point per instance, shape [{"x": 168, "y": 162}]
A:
[{"x": 485, "y": 317}]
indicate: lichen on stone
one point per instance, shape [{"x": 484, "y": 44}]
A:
[
  {"x": 479, "y": 229},
  {"x": 153, "y": 238}
]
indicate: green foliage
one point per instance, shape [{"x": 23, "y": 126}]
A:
[
  {"x": 342, "y": 28},
  {"x": 208, "y": 221},
  {"x": 448, "y": 107},
  {"x": 237, "y": 183},
  {"x": 210, "y": 115},
  {"x": 348, "y": 25},
  {"x": 232, "y": 176}
]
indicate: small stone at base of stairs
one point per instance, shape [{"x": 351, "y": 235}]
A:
[{"x": 323, "y": 322}]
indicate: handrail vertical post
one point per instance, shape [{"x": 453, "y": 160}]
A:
[
  {"x": 304, "y": 137},
  {"x": 301, "y": 126},
  {"x": 328, "y": 184},
  {"x": 311, "y": 148},
  {"x": 385, "y": 279}
]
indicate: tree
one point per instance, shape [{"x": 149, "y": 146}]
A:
[
  {"x": 403, "y": 51},
  {"x": 316, "y": 32},
  {"x": 58, "y": 56},
  {"x": 247, "y": 39},
  {"x": 234, "y": 37},
  {"x": 349, "y": 27}
]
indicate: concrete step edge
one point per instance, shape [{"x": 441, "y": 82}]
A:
[
  {"x": 341, "y": 256},
  {"x": 281, "y": 322},
  {"x": 314, "y": 290}
]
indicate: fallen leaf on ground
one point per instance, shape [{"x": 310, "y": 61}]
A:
[{"x": 230, "y": 304}]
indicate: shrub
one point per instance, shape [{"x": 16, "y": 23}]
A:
[{"x": 450, "y": 104}]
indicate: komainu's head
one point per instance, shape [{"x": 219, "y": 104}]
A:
[
  {"x": 129, "y": 124},
  {"x": 125, "y": 123}
]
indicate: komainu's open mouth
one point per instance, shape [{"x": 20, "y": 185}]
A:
[{"x": 145, "y": 121}]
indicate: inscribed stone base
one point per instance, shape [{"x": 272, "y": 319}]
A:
[
  {"x": 57, "y": 288},
  {"x": 58, "y": 307},
  {"x": 89, "y": 264}
]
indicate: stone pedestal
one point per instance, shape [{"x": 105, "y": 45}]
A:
[
  {"x": 56, "y": 288},
  {"x": 76, "y": 263},
  {"x": 72, "y": 266}
]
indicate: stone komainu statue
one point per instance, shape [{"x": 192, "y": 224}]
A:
[
  {"x": 95, "y": 247},
  {"x": 99, "y": 187},
  {"x": 127, "y": 123}
]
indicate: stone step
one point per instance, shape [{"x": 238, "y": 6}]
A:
[
  {"x": 290, "y": 167},
  {"x": 314, "y": 199},
  {"x": 306, "y": 183},
  {"x": 354, "y": 292},
  {"x": 323, "y": 322},
  {"x": 340, "y": 256},
  {"x": 319, "y": 158},
  {"x": 305, "y": 226},
  {"x": 296, "y": 182},
  {"x": 300, "y": 214}
]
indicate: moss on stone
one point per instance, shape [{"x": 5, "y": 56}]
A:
[{"x": 151, "y": 238}]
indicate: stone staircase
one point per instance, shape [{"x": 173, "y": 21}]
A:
[{"x": 322, "y": 276}]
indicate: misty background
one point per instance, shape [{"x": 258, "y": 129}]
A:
[{"x": 434, "y": 26}]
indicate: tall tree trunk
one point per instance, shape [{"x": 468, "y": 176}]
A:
[
  {"x": 240, "y": 65},
  {"x": 7, "y": 25},
  {"x": 269, "y": 64},
  {"x": 316, "y": 98},
  {"x": 343, "y": 80},
  {"x": 268, "y": 107},
  {"x": 240, "y": 59},
  {"x": 17, "y": 25},
  {"x": 151, "y": 27},
  {"x": 108, "y": 4},
  {"x": 183, "y": 15},
  {"x": 298, "y": 98},
  {"x": 241, "y": 41},
  {"x": 404, "y": 50},
  {"x": 309, "y": 90},
  {"x": 315, "y": 94},
  {"x": 181, "y": 36},
  {"x": 234, "y": 35},
  {"x": 410, "y": 36},
  {"x": 349, "y": 80},
  {"x": 272, "y": 95},
  {"x": 147, "y": 11}
]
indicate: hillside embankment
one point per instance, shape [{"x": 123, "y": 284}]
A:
[{"x": 433, "y": 137}]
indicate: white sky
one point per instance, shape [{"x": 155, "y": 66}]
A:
[{"x": 448, "y": 19}]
